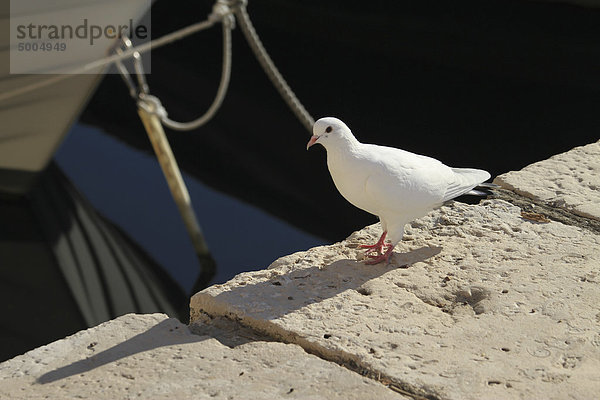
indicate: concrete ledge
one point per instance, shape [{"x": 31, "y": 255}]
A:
[
  {"x": 569, "y": 180},
  {"x": 477, "y": 303},
  {"x": 152, "y": 356}
]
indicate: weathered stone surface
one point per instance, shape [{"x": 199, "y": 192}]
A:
[
  {"x": 478, "y": 303},
  {"x": 569, "y": 180},
  {"x": 154, "y": 357}
]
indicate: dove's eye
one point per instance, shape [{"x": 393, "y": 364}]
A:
[{"x": 328, "y": 129}]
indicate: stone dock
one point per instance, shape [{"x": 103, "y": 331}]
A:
[{"x": 498, "y": 300}]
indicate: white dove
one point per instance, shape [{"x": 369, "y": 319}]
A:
[{"x": 393, "y": 184}]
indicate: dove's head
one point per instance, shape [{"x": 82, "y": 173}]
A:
[{"x": 329, "y": 131}]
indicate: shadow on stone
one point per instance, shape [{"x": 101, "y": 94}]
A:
[
  {"x": 405, "y": 260},
  {"x": 283, "y": 291},
  {"x": 166, "y": 333}
]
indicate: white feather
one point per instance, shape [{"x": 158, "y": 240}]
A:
[{"x": 465, "y": 180}]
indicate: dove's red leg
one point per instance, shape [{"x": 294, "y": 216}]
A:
[
  {"x": 384, "y": 256},
  {"x": 377, "y": 247}
]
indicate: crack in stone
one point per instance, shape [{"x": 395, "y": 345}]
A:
[{"x": 555, "y": 213}]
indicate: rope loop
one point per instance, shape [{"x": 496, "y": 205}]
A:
[{"x": 228, "y": 20}]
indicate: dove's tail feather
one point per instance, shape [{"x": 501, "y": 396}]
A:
[
  {"x": 483, "y": 189},
  {"x": 466, "y": 179}
]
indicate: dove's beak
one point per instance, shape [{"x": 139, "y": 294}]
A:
[{"x": 312, "y": 141}]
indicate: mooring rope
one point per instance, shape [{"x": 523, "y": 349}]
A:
[
  {"x": 238, "y": 7},
  {"x": 269, "y": 67}
]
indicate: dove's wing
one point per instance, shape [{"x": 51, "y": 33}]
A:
[{"x": 400, "y": 182}]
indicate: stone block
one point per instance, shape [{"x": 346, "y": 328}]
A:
[
  {"x": 568, "y": 180},
  {"x": 477, "y": 303}
]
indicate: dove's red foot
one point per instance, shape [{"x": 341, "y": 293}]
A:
[
  {"x": 378, "y": 252},
  {"x": 378, "y": 247},
  {"x": 384, "y": 256}
]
